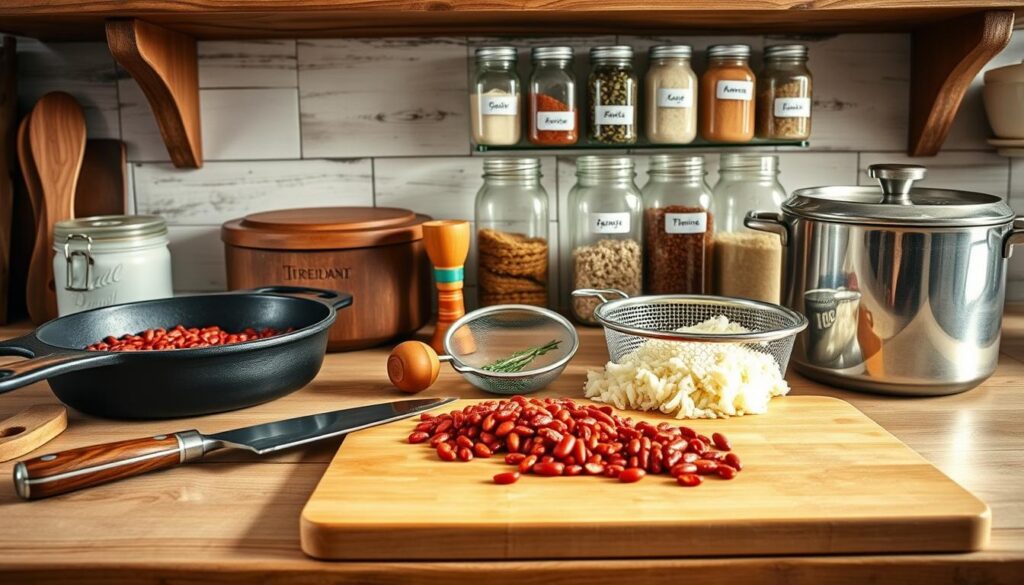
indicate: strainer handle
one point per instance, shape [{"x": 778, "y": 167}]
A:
[{"x": 599, "y": 293}]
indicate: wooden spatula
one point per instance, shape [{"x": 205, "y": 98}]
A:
[
  {"x": 102, "y": 185},
  {"x": 56, "y": 136},
  {"x": 30, "y": 429}
]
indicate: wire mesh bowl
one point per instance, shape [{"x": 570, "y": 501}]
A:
[
  {"x": 487, "y": 335},
  {"x": 631, "y": 321}
]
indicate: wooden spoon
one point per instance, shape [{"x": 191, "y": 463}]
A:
[
  {"x": 56, "y": 136},
  {"x": 102, "y": 185},
  {"x": 31, "y": 429}
]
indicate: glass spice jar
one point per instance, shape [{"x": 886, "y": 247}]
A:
[
  {"x": 494, "y": 102},
  {"x": 512, "y": 234},
  {"x": 748, "y": 263},
  {"x": 553, "y": 115},
  {"x": 727, "y": 95},
  {"x": 670, "y": 87},
  {"x": 605, "y": 223},
  {"x": 678, "y": 226},
  {"x": 613, "y": 95},
  {"x": 784, "y": 94}
]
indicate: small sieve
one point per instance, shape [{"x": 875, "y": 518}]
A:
[
  {"x": 485, "y": 336},
  {"x": 630, "y": 321}
]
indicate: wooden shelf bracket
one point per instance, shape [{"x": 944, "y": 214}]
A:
[
  {"x": 945, "y": 58},
  {"x": 164, "y": 64}
]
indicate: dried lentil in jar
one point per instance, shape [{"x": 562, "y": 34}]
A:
[
  {"x": 613, "y": 95},
  {"x": 605, "y": 225},
  {"x": 678, "y": 226},
  {"x": 784, "y": 93},
  {"x": 670, "y": 87},
  {"x": 494, "y": 103},
  {"x": 554, "y": 117},
  {"x": 727, "y": 95}
]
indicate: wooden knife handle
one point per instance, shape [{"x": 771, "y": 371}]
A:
[{"x": 59, "y": 473}]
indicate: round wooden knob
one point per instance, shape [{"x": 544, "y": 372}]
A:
[{"x": 413, "y": 366}]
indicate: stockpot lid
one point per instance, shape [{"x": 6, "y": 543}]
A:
[
  {"x": 325, "y": 228},
  {"x": 897, "y": 202}
]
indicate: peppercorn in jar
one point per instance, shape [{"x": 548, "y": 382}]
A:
[
  {"x": 613, "y": 95},
  {"x": 784, "y": 94},
  {"x": 554, "y": 117}
]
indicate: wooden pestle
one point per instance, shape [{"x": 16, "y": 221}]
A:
[{"x": 447, "y": 243}]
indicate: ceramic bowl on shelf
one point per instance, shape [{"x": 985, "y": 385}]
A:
[{"x": 1004, "y": 100}]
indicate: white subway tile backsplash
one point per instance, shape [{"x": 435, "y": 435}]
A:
[
  {"x": 225, "y": 190},
  {"x": 383, "y": 97},
  {"x": 248, "y": 64},
  {"x": 968, "y": 171},
  {"x": 139, "y": 131},
  {"x": 799, "y": 170},
  {"x": 250, "y": 124},
  {"x": 197, "y": 258}
]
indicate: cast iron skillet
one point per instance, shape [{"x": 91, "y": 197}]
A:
[{"x": 181, "y": 382}]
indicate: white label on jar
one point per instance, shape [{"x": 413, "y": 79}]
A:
[
  {"x": 499, "y": 105},
  {"x": 671, "y": 97},
  {"x": 614, "y": 115},
  {"x": 735, "y": 90},
  {"x": 556, "y": 121},
  {"x": 686, "y": 223},
  {"x": 799, "y": 107},
  {"x": 609, "y": 223}
]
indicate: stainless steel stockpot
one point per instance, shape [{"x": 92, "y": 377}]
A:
[{"x": 903, "y": 287}]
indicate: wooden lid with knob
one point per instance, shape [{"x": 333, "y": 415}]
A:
[{"x": 325, "y": 228}]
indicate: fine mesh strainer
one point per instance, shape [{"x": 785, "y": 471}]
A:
[
  {"x": 483, "y": 337},
  {"x": 630, "y": 321}
]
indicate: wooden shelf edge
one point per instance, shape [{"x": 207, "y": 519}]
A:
[
  {"x": 165, "y": 65},
  {"x": 945, "y": 58}
]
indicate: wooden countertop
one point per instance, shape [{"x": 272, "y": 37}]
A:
[{"x": 235, "y": 517}]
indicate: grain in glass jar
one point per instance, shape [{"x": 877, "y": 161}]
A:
[
  {"x": 748, "y": 263},
  {"x": 605, "y": 224},
  {"x": 553, "y": 114},
  {"x": 670, "y": 87},
  {"x": 494, "y": 102},
  {"x": 784, "y": 91},
  {"x": 612, "y": 87},
  {"x": 110, "y": 259},
  {"x": 678, "y": 226},
  {"x": 512, "y": 234},
  {"x": 727, "y": 95}
]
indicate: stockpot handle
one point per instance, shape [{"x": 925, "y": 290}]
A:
[
  {"x": 338, "y": 300},
  {"x": 768, "y": 221},
  {"x": 599, "y": 293},
  {"x": 1013, "y": 237},
  {"x": 44, "y": 363}
]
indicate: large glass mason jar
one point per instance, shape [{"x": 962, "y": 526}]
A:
[
  {"x": 553, "y": 116},
  {"x": 678, "y": 226},
  {"x": 605, "y": 223},
  {"x": 748, "y": 263},
  {"x": 613, "y": 95},
  {"x": 494, "y": 102},
  {"x": 784, "y": 94},
  {"x": 512, "y": 233}
]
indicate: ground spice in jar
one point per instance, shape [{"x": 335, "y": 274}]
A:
[
  {"x": 607, "y": 263},
  {"x": 552, "y": 122},
  {"x": 748, "y": 265},
  {"x": 727, "y": 95},
  {"x": 495, "y": 116},
  {"x": 513, "y": 268},
  {"x": 677, "y": 258},
  {"x": 671, "y": 104}
]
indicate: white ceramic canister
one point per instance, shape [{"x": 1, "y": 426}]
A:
[{"x": 110, "y": 259}]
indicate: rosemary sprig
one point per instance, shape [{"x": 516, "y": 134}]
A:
[{"x": 520, "y": 359}]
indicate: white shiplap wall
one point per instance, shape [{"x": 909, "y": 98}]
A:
[{"x": 385, "y": 122}]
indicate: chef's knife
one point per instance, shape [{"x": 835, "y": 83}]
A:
[{"x": 75, "y": 469}]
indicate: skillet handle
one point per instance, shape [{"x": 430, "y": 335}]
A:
[
  {"x": 338, "y": 300},
  {"x": 44, "y": 365}
]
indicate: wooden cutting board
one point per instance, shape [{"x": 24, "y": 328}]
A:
[{"x": 819, "y": 477}]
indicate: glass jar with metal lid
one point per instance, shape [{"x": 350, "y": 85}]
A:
[
  {"x": 553, "y": 113},
  {"x": 612, "y": 88},
  {"x": 494, "y": 102},
  {"x": 678, "y": 226},
  {"x": 748, "y": 264},
  {"x": 784, "y": 94},
  {"x": 605, "y": 230},
  {"x": 512, "y": 233},
  {"x": 903, "y": 286},
  {"x": 727, "y": 95},
  {"x": 110, "y": 259},
  {"x": 671, "y": 102}
]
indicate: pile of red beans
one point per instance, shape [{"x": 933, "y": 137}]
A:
[
  {"x": 181, "y": 337},
  {"x": 553, "y": 437}
]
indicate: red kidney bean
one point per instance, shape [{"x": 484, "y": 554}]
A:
[
  {"x": 613, "y": 470},
  {"x": 706, "y": 466},
  {"x": 690, "y": 457},
  {"x": 689, "y": 480},
  {"x": 527, "y": 464},
  {"x": 633, "y": 446},
  {"x": 573, "y": 469},
  {"x": 425, "y": 427},
  {"x": 443, "y": 426},
  {"x": 465, "y": 454},
  {"x": 504, "y": 428},
  {"x": 438, "y": 439},
  {"x": 464, "y": 441},
  {"x": 697, "y": 446},
  {"x": 682, "y": 468},
  {"x": 418, "y": 437},
  {"x": 705, "y": 439},
  {"x": 446, "y": 452},
  {"x": 506, "y": 478},
  {"x": 549, "y": 468},
  {"x": 514, "y": 458},
  {"x": 672, "y": 458},
  {"x": 632, "y": 475},
  {"x": 721, "y": 442},
  {"x": 594, "y": 468},
  {"x": 482, "y": 451},
  {"x": 733, "y": 460},
  {"x": 488, "y": 423},
  {"x": 512, "y": 442},
  {"x": 726, "y": 472},
  {"x": 564, "y": 447}
]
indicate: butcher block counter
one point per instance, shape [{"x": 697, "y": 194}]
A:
[{"x": 234, "y": 517}]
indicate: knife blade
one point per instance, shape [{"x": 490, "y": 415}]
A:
[{"x": 59, "y": 473}]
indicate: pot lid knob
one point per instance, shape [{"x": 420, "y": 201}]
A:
[{"x": 896, "y": 181}]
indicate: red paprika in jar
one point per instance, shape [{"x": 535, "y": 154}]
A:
[{"x": 553, "y": 115}]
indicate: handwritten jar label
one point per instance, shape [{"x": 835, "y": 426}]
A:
[
  {"x": 609, "y": 223},
  {"x": 670, "y": 97},
  {"x": 499, "y": 105},
  {"x": 686, "y": 223},
  {"x": 613, "y": 116},
  {"x": 556, "y": 121},
  {"x": 799, "y": 107},
  {"x": 728, "y": 89}
]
